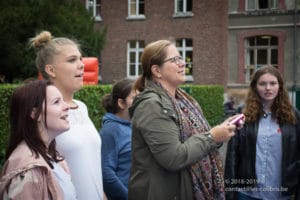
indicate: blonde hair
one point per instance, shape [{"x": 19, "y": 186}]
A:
[{"x": 46, "y": 46}]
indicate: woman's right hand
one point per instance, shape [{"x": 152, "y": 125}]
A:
[{"x": 224, "y": 131}]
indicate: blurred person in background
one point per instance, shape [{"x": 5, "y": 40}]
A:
[{"x": 116, "y": 139}]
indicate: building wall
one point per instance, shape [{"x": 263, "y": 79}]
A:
[
  {"x": 280, "y": 24},
  {"x": 207, "y": 28},
  {"x": 283, "y": 24}
]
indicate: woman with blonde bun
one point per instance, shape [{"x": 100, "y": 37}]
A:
[{"x": 59, "y": 59}]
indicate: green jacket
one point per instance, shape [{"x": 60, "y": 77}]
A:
[{"x": 160, "y": 162}]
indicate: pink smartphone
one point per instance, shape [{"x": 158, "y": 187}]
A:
[{"x": 237, "y": 120}]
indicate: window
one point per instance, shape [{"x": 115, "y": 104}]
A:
[
  {"x": 136, "y": 9},
  {"x": 183, "y": 8},
  {"x": 134, "y": 52},
  {"x": 93, "y": 6},
  {"x": 260, "y": 51},
  {"x": 253, "y": 5},
  {"x": 185, "y": 48}
]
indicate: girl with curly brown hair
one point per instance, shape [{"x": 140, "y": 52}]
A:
[{"x": 262, "y": 158}]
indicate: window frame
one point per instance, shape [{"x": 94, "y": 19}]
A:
[
  {"x": 137, "y": 50},
  {"x": 96, "y": 9},
  {"x": 138, "y": 14},
  {"x": 184, "y": 12},
  {"x": 271, "y": 6},
  {"x": 250, "y": 68},
  {"x": 183, "y": 52}
]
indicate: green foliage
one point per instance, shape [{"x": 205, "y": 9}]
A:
[
  {"x": 23, "y": 19},
  {"x": 209, "y": 97},
  {"x": 5, "y": 93},
  {"x": 92, "y": 96}
]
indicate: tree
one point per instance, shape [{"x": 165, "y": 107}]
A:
[{"x": 22, "y": 19}]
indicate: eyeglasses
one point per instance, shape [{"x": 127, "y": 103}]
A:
[{"x": 175, "y": 59}]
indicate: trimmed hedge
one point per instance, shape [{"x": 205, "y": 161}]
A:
[
  {"x": 5, "y": 93},
  {"x": 210, "y": 97}
]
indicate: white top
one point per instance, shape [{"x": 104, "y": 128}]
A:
[
  {"x": 64, "y": 180},
  {"x": 81, "y": 147}
]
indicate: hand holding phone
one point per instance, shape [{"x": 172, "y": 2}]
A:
[{"x": 239, "y": 120}]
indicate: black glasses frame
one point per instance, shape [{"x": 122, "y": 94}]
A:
[{"x": 175, "y": 59}]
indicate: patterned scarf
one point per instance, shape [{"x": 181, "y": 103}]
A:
[{"x": 207, "y": 174}]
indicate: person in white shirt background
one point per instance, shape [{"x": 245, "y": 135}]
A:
[{"x": 59, "y": 59}]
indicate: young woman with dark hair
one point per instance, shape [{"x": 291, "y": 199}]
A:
[{"x": 33, "y": 168}]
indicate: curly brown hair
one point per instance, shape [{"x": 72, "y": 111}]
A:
[{"x": 282, "y": 109}]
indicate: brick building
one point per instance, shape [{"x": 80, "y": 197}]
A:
[
  {"x": 198, "y": 27},
  {"x": 223, "y": 42}
]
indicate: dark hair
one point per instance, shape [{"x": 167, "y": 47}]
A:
[
  {"x": 23, "y": 127},
  {"x": 46, "y": 46},
  {"x": 281, "y": 107},
  {"x": 120, "y": 90},
  {"x": 153, "y": 54}
]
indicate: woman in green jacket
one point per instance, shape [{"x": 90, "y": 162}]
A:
[{"x": 174, "y": 150}]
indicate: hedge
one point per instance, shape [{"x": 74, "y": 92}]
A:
[{"x": 210, "y": 97}]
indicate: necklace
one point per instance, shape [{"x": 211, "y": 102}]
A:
[{"x": 73, "y": 106}]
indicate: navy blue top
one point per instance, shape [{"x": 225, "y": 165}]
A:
[{"x": 116, "y": 156}]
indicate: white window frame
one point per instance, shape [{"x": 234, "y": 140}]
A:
[
  {"x": 137, "y": 14},
  {"x": 272, "y": 5},
  {"x": 137, "y": 50},
  {"x": 250, "y": 68},
  {"x": 183, "y": 52},
  {"x": 94, "y": 6},
  {"x": 184, "y": 12}
]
